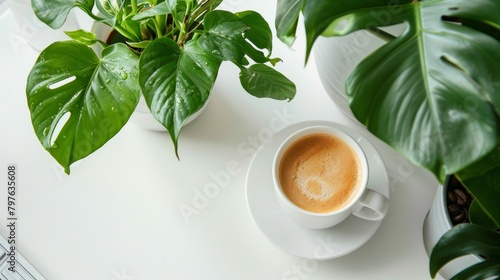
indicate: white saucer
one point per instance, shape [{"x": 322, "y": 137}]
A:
[{"x": 316, "y": 244}]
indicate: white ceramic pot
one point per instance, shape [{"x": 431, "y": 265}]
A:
[
  {"x": 142, "y": 116},
  {"x": 436, "y": 223},
  {"x": 336, "y": 57},
  {"x": 101, "y": 32},
  {"x": 37, "y": 34}
]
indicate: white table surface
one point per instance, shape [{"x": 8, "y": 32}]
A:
[{"x": 117, "y": 216}]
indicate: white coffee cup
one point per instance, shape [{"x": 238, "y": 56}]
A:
[{"x": 365, "y": 203}]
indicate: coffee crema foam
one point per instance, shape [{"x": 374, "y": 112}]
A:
[{"x": 320, "y": 173}]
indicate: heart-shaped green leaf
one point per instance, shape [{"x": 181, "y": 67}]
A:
[
  {"x": 78, "y": 101},
  {"x": 263, "y": 81},
  {"x": 176, "y": 82},
  {"x": 433, "y": 92},
  {"x": 259, "y": 33},
  {"x": 224, "y": 36},
  {"x": 54, "y": 12}
]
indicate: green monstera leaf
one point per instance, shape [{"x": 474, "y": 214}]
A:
[
  {"x": 78, "y": 101},
  {"x": 433, "y": 90},
  {"x": 465, "y": 239},
  {"x": 176, "y": 82},
  {"x": 432, "y": 93}
]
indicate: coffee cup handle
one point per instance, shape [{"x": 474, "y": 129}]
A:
[{"x": 372, "y": 206}]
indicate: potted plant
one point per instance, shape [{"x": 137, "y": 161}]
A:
[
  {"x": 466, "y": 231},
  {"x": 168, "y": 51},
  {"x": 431, "y": 92}
]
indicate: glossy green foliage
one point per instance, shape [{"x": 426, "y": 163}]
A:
[
  {"x": 176, "y": 82},
  {"x": 465, "y": 239},
  {"x": 482, "y": 180},
  {"x": 170, "y": 51},
  {"x": 429, "y": 92},
  {"x": 432, "y": 93},
  {"x": 78, "y": 101},
  {"x": 55, "y": 12}
]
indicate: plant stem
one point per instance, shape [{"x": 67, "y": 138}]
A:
[
  {"x": 197, "y": 17},
  {"x": 183, "y": 25},
  {"x": 133, "y": 3},
  {"x": 158, "y": 22},
  {"x": 386, "y": 36},
  {"x": 94, "y": 17}
]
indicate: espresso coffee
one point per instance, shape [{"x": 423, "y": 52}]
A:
[{"x": 320, "y": 173}]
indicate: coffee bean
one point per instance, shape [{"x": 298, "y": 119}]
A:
[
  {"x": 454, "y": 210},
  {"x": 462, "y": 198},
  {"x": 457, "y": 214},
  {"x": 451, "y": 196},
  {"x": 459, "y": 218},
  {"x": 458, "y": 201}
]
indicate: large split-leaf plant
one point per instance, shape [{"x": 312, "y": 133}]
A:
[
  {"x": 169, "y": 51},
  {"x": 431, "y": 92}
]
